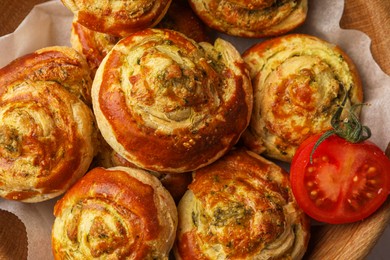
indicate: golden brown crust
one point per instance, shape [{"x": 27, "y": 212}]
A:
[
  {"x": 251, "y": 18},
  {"x": 180, "y": 17},
  {"x": 56, "y": 63},
  {"x": 115, "y": 213},
  {"x": 176, "y": 184},
  {"x": 119, "y": 18},
  {"x": 298, "y": 81},
  {"x": 93, "y": 45},
  {"x": 240, "y": 207},
  {"x": 46, "y": 140},
  {"x": 184, "y": 104},
  {"x": 47, "y": 134}
]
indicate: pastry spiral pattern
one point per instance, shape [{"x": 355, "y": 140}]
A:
[
  {"x": 240, "y": 207},
  {"x": 94, "y": 45},
  {"x": 115, "y": 213},
  {"x": 60, "y": 64},
  {"x": 118, "y": 18},
  {"x": 168, "y": 104},
  {"x": 47, "y": 130},
  {"x": 251, "y": 18},
  {"x": 299, "y": 81},
  {"x": 46, "y": 140}
]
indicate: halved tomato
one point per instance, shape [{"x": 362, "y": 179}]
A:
[{"x": 345, "y": 182}]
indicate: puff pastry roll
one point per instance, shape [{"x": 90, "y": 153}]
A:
[
  {"x": 180, "y": 17},
  {"x": 115, "y": 213},
  {"x": 299, "y": 81},
  {"x": 176, "y": 184},
  {"x": 251, "y": 18},
  {"x": 61, "y": 64},
  {"x": 168, "y": 104},
  {"x": 241, "y": 207},
  {"x": 47, "y": 133},
  {"x": 118, "y": 18},
  {"x": 93, "y": 45},
  {"x": 46, "y": 140}
]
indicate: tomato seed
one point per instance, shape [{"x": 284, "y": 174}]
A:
[
  {"x": 372, "y": 172},
  {"x": 310, "y": 184},
  {"x": 372, "y": 182},
  {"x": 355, "y": 193},
  {"x": 353, "y": 204},
  {"x": 319, "y": 202},
  {"x": 313, "y": 194},
  {"x": 311, "y": 169}
]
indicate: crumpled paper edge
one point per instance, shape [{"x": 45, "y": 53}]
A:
[{"x": 26, "y": 39}]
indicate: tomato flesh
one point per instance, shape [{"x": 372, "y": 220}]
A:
[{"x": 345, "y": 182}]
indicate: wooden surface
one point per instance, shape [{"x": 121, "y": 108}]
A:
[
  {"x": 353, "y": 241},
  {"x": 11, "y": 248}
]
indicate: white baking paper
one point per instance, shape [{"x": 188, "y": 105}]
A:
[{"x": 49, "y": 24}]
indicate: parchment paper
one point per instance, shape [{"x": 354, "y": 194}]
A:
[{"x": 49, "y": 24}]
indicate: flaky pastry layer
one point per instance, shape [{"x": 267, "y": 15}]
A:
[
  {"x": 299, "y": 81},
  {"x": 115, "y": 213},
  {"x": 240, "y": 207},
  {"x": 169, "y": 104},
  {"x": 245, "y": 18},
  {"x": 118, "y": 18},
  {"x": 47, "y": 132}
]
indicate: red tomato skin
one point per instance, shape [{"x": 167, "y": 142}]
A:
[{"x": 347, "y": 158}]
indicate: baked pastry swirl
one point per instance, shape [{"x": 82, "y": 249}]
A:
[
  {"x": 240, "y": 207},
  {"x": 176, "y": 184},
  {"x": 184, "y": 104},
  {"x": 47, "y": 133},
  {"x": 299, "y": 81},
  {"x": 118, "y": 18},
  {"x": 115, "y": 213},
  {"x": 251, "y": 18},
  {"x": 60, "y": 64},
  {"x": 46, "y": 140},
  {"x": 93, "y": 45}
]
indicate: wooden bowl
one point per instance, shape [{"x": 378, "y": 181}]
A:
[{"x": 351, "y": 241}]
